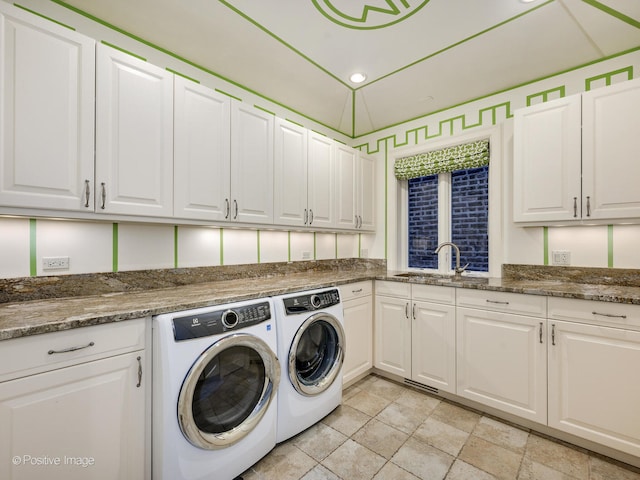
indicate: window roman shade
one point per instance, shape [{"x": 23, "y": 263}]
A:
[{"x": 460, "y": 157}]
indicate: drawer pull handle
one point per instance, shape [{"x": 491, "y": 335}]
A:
[
  {"x": 406, "y": 310},
  {"x": 413, "y": 311},
  {"x": 87, "y": 193},
  {"x": 553, "y": 334},
  {"x": 609, "y": 315},
  {"x": 497, "y": 301},
  {"x": 575, "y": 207},
  {"x": 103, "y": 195},
  {"x": 356, "y": 291},
  {"x": 139, "y": 372},
  {"x": 71, "y": 349}
]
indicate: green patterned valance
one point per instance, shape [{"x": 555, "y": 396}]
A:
[{"x": 460, "y": 157}]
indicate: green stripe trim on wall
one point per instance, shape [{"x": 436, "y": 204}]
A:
[
  {"x": 114, "y": 247},
  {"x": 258, "y": 244},
  {"x": 124, "y": 50},
  {"x": 610, "y": 246},
  {"x": 33, "y": 257},
  {"x": 336, "y": 243},
  {"x": 175, "y": 72},
  {"x": 44, "y": 16},
  {"x": 222, "y": 246},
  {"x": 175, "y": 246},
  {"x": 608, "y": 77},
  {"x": 545, "y": 235},
  {"x": 613, "y": 13},
  {"x": 288, "y": 246}
]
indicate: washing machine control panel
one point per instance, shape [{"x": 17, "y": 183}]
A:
[
  {"x": 220, "y": 321},
  {"x": 311, "y": 302}
]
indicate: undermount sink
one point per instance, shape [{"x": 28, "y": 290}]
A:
[{"x": 443, "y": 279}]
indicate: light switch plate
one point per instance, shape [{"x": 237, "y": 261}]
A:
[{"x": 561, "y": 257}]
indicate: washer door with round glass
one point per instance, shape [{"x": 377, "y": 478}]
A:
[
  {"x": 316, "y": 354},
  {"x": 227, "y": 391}
]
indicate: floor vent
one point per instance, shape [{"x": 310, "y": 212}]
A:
[{"x": 426, "y": 388}]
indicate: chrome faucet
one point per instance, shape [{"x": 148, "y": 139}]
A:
[{"x": 458, "y": 270}]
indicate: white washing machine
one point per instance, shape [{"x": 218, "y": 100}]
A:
[
  {"x": 215, "y": 384},
  {"x": 311, "y": 343}
]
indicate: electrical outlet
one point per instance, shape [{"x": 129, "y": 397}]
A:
[
  {"x": 364, "y": 253},
  {"x": 561, "y": 257},
  {"x": 306, "y": 255},
  {"x": 55, "y": 263}
]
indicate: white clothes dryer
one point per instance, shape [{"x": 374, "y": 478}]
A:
[
  {"x": 215, "y": 383},
  {"x": 311, "y": 341}
]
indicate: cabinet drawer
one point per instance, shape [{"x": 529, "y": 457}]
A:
[
  {"x": 356, "y": 290},
  {"x": 594, "y": 312},
  {"x": 518, "y": 303},
  {"x": 393, "y": 289},
  {"x": 29, "y": 355},
  {"x": 433, "y": 293}
]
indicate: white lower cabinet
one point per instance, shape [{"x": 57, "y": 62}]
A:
[
  {"x": 415, "y": 333},
  {"x": 594, "y": 385},
  {"x": 502, "y": 356},
  {"x": 84, "y": 414},
  {"x": 357, "y": 303}
]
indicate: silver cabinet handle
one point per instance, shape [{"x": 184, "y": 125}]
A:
[
  {"x": 356, "y": 291},
  {"x": 227, "y": 208},
  {"x": 588, "y": 206},
  {"x": 413, "y": 311},
  {"x": 497, "y": 302},
  {"x": 553, "y": 334},
  {"x": 356, "y": 220},
  {"x": 103, "y": 195},
  {"x": 406, "y": 310},
  {"x": 87, "y": 193},
  {"x": 608, "y": 315},
  {"x": 71, "y": 349},
  {"x": 575, "y": 207},
  {"x": 235, "y": 205},
  {"x": 310, "y": 216},
  {"x": 139, "y": 372},
  {"x": 541, "y": 332},
  {"x": 306, "y": 216}
]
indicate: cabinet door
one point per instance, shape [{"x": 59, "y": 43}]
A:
[
  {"x": 594, "y": 387},
  {"x": 358, "y": 327},
  {"x": 290, "y": 177},
  {"x": 393, "y": 336},
  {"x": 47, "y": 73},
  {"x": 433, "y": 337},
  {"x": 547, "y": 161},
  {"x": 501, "y": 362},
  {"x": 93, "y": 412},
  {"x": 202, "y": 152},
  {"x": 134, "y": 135},
  {"x": 610, "y": 169},
  {"x": 321, "y": 181},
  {"x": 346, "y": 162},
  {"x": 251, "y": 164},
  {"x": 366, "y": 193}
]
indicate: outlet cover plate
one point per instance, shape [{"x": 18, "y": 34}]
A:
[
  {"x": 55, "y": 263},
  {"x": 561, "y": 257}
]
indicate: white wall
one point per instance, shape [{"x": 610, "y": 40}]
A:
[{"x": 590, "y": 246}]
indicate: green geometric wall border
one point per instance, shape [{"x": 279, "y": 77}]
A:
[
  {"x": 546, "y": 94},
  {"x": 608, "y": 77}
]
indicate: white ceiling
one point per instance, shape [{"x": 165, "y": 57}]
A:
[{"x": 424, "y": 56}]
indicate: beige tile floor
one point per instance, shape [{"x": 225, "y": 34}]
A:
[{"x": 387, "y": 431}]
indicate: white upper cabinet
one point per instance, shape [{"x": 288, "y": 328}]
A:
[
  {"x": 546, "y": 170},
  {"x": 574, "y": 158},
  {"x": 346, "y": 170},
  {"x": 251, "y": 164},
  {"x": 134, "y": 135},
  {"x": 321, "y": 183},
  {"x": 47, "y": 78},
  {"x": 202, "y": 152},
  {"x": 610, "y": 146},
  {"x": 290, "y": 179}
]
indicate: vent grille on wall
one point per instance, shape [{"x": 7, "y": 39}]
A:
[{"x": 421, "y": 386}]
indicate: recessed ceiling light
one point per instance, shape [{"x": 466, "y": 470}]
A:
[
  {"x": 358, "y": 77},
  {"x": 527, "y": 1}
]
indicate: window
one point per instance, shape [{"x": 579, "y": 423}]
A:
[{"x": 450, "y": 205}]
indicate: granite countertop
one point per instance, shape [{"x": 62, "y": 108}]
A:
[{"x": 35, "y": 310}]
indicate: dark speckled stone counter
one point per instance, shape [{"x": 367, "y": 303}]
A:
[{"x": 39, "y": 305}]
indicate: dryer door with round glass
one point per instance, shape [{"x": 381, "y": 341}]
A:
[
  {"x": 316, "y": 354},
  {"x": 227, "y": 391}
]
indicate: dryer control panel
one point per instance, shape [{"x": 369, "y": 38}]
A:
[
  {"x": 312, "y": 301},
  {"x": 220, "y": 321}
]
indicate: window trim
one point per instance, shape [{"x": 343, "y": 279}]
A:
[{"x": 397, "y": 221}]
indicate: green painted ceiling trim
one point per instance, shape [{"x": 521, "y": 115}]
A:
[
  {"x": 615, "y": 13},
  {"x": 123, "y": 50},
  {"x": 33, "y": 257},
  {"x": 608, "y": 77},
  {"x": 44, "y": 16},
  {"x": 175, "y": 72},
  {"x": 114, "y": 248},
  {"x": 228, "y": 94},
  {"x": 456, "y": 44},
  {"x": 294, "y": 122},
  {"x": 275, "y": 37},
  {"x": 610, "y": 246},
  {"x": 195, "y": 65},
  {"x": 265, "y": 110},
  {"x": 524, "y": 84},
  {"x": 545, "y": 94},
  {"x": 393, "y": 10}
]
